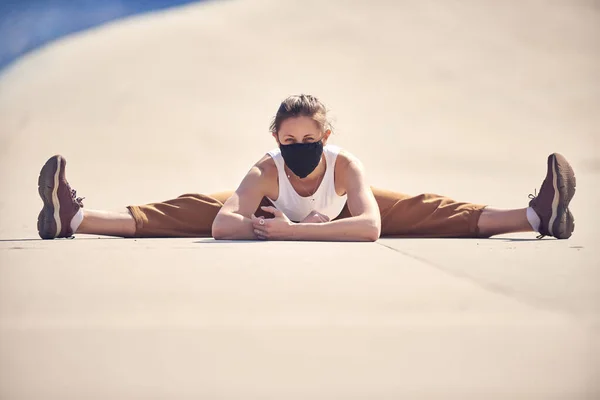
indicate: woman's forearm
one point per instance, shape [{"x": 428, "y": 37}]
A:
[
  {"x": 359, "y": 228},
  {"x": 230, "y": 226}
]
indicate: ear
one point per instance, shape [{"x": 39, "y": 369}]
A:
[{"x": 326, "y": 136}]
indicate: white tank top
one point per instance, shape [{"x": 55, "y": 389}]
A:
[{"x": 325, "y": 200}]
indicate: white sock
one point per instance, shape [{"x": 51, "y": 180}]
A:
[
  {"x": 77, "y": 219},
  {"x": 534, "y": 219}
]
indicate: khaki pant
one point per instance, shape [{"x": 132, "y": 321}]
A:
[{"x": 426, "y": 215}]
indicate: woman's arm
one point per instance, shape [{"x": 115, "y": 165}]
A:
[
  {"x": 364, "y": 225},
  {"x": 234, "y": 219}
]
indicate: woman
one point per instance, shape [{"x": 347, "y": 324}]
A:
[{"x": 306, "y": 189}]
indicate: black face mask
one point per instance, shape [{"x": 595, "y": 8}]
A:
[{"x": 302, "y": 158}]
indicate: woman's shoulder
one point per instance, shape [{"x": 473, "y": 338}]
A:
[
  {"x": 266, "y": 165},
  {"x": 345, "y": 170},
  {"x": 344, "y": 158}
]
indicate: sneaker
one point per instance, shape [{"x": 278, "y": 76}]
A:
[
  {"x": 552, "y": 202},
  {"x": 60, "y": 201}
]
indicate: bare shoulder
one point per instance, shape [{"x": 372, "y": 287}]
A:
[
  {"x": 345, "y": 159},
  {"x": 347, "y": 168},
  {"x": 267, "y": 167},
  {"x": 266, "y": 170}
]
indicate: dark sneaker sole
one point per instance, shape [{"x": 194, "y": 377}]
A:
[
  {"x": 561, "y": 224},
  {"x": 49, "y": 223}
]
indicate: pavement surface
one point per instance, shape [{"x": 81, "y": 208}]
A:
[{"x": 461, "y": 98}]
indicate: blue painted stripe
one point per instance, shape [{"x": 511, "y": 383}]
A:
[{"x": 28, "y": 24}]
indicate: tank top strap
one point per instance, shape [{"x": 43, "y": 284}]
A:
[
  {"x": 286, "y": 193},
  {"x": 331, "y": 154},
  {"x": 279, "y": 163}
]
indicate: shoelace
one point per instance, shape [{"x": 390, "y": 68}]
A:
[
  {"x": 533, "y": 196},
  {"x": 78, "y": 200}
]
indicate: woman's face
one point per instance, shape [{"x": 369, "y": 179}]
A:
[{"x": 300, "y": 130}]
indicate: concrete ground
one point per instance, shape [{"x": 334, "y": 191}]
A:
[{"x": 463, "y": 98}]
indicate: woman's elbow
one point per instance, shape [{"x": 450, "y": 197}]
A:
[
  {"x": 218, "y": 233},
  {"x": 229, "y": 227},
  {"x": 371, "y": 232},
  {"x": 218, "y": 229},
  {"x": 373, "y": 235}
]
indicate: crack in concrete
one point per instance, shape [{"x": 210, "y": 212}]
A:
[{"x": 520, "y": 297}]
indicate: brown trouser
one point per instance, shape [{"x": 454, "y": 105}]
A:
[{"x": 426, "y": 215}]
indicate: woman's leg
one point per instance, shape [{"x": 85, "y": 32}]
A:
[
  {"x": 187, "y": 215},
  {"x": 63, "y": 214},
  {"x": 427, "y": 215},
  {"x": 430, "y": 215},
  {"x": 190, "y": 215},
  {"x": 109, "y": 223},
  {"x": 497, "y": 222}
]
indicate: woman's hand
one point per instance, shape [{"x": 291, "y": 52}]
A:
[
  {"x": 315, "y": 217},
  {"x": 277, "y": 228}
]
